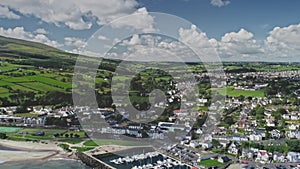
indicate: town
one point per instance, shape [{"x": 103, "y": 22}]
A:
[{"x": 259, "y": 125}]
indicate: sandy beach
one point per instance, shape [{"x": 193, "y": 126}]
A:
[{"x": 30, "y": 151}]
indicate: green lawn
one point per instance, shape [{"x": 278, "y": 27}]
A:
[
  {"x": 72, "y": 140},
  {"x": 210, "y": 163},
  {"x": 111, "y": 142},
  {"x": 9, "y": 129},
  {"x": 82, "y": 149},
  {"x": 229, "y": 91}
]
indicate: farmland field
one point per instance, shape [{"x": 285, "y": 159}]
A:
[
  {"x": 3, "y": 90},
  {"x": 230, "y": 91},
  {"x": 50, "y": 81},
  {"x": 40, "y": 87}
]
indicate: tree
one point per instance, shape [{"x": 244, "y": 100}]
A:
[
  {"x": 215, "y": 143},
  {"x": 3, "y": 136},
  {"x": 56, "y": 135},
  {"x": 67, "y": 135},
  {"x": 229, "y": 120}
]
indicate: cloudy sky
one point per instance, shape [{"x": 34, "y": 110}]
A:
[{"x": 250, "y": 30}]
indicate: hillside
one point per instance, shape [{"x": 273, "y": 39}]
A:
[{"x": 34, "y": 53}]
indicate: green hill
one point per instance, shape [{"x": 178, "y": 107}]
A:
[{"x": 33, "y": 53}]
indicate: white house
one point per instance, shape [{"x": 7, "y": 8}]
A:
[
  {"x": 278, "y": 157},
  {"x": 206, "y": 145},
  {"x": 262, "y": 156},
  {"x": 293, "y": 157},
  {"x": 293, "y": 134},
  {"x": 255, "y": 137},
  {"x": 233, "y": 148}
]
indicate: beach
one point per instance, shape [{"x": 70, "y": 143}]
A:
[{"x": 15, "y": 151}]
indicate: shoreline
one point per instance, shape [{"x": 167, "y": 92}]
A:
[{"x": 28, "y": 151}]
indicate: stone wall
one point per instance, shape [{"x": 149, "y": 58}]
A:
[{"x": 92, "y": 162}]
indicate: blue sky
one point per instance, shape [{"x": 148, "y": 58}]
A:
[{"x": 238, "y": 30}]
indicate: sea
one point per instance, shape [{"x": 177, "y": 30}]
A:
[{"x": 50, "y": 164}]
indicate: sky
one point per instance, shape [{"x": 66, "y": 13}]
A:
[{"x": 248, "y": 30}]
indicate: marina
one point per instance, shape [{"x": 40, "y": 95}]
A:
[{"x": 135, "y": 158}]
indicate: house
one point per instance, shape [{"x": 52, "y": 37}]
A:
[
  {"x": 293, "y": 157},
  {"x": 233, "y": 148},
  {"x": 262, "y": 156},
  {"x": 293, "y": 134},
  {"x": 278, "y": 157},
  {"x": 293, "y": 126},
  {"x": 249, "y": 154},
  {"x": 255, "y": 137},
  {"x": 223, "y": 159},
  {"x": 206, "y": 145},
  {"x": 275, "y": 134},
  {"x": 286, "y": 117},
  {"x": 194, "y": 144},
  {"x": 171, "y": 126},
  {"x": 239, "y": 138},
  {"x": 270, "y": 123},
  {"x": 295, "y": 116}
]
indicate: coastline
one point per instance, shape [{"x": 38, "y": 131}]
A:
[{"x": 28, "y": 151}]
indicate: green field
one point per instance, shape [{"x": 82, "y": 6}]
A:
[
  {"x": 41, "y": 87},
  {"x": 100, "y": 142},
  {"x": 27, "y": 134},
  {"x": 9, "y": 129},
  {"x": 50, "y": 81},
  {"x": 210, "y": 163},
  {"x": 229, "y": 91}
]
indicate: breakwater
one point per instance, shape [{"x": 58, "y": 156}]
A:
[{"x": 92, "y": 161}]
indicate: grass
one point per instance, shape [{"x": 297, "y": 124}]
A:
[
  {"x": 17, "y": 134},
  {"x": 41, "y": 87},
  {"x": 17, "y": 79},
  {"x": 82, "y": 149},
  {"x": 66, "y": 147},
  {"x": 230, "y": 91},
  {"x": 9, "y": 129},
  {"x": 101, "y": 142},
  {"x": 80, "y": 133},
  {"x": 72, "y": 140},
  {"x": 50, "y": 81},
  {"x": 210, "y": 163},
  {"x": 3, "y": 90}
]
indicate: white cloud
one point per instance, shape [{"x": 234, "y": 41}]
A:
[
  {"x": 194, "y": 37},
  {"x": 101, "y": 37},
  {"x": 284, "y": 42},
  {"x": 57, "y": 12},
  {"x": 74, "y": 42},
  {"x": 79, "y": 14},
  {"x": 139, "y": 20},
  {"x": 6, "y": 13},
  {"x": 40, "y": 31},
  {"x": 135, "y": 40},
  {"x": 20, "y": 33},
  {"x": 219, "y": 3},
  {"x": 239, "y": 44}
]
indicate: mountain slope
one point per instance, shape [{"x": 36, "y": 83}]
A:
[{"x": 33, "y": 53}]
